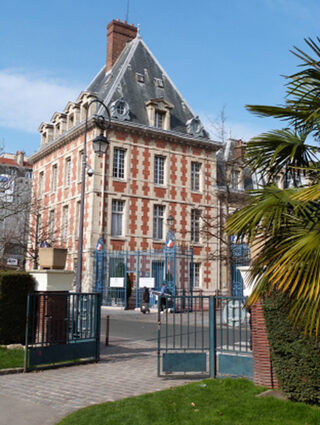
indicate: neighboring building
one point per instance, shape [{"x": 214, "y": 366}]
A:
[
  {"x": 15, "y": 198},
  {"x": 160, "y": 162}
]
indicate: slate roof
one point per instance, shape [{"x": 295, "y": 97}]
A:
[{"x": 121, "y": 82}]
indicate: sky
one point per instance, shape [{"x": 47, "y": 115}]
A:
[{"x": 221, "y": 55}]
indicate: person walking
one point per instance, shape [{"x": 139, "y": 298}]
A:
[
  {"x": 145, "y": 301},
  {"x": 163, "y": 298}
]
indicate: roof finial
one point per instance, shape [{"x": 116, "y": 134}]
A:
[
  {"x": 127, "y": 14},
  {"x": 138, "y": 31}
]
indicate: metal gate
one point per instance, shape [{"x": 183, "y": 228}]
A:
[
  {"x": 240, "y": 257},
  {"x": 204, "y": 335},
  {"x": 172, "y": 265},
  {"x": 62, "y": 327}
]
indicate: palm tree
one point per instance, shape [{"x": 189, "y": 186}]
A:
[{"x": 283, "y": 226}]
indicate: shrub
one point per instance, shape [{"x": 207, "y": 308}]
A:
[
  {"x": 14, "y": 288},
  {"x": 295, "y": 357}
]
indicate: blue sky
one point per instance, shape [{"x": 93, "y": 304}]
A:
[{"x": 217, "y": 53}]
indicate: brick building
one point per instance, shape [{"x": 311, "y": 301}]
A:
[{"x": 160, "y": 162}]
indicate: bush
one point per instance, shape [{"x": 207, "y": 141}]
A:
[
  {"x": 295, "y": 357},
  {"x": 14, "y": 288}
]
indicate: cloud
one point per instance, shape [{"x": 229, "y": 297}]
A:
[{"x": 28, "y": 99}]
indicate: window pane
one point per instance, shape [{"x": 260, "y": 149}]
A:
[
  {"x": 195, "y": 225},
  {"x": 159, "y": 170},
  {"x": 195, "y": 175},
  {"x": 118, "y": 163},
  {"x": 117, "y": 217},
  {"x": 158, "y": 212}
]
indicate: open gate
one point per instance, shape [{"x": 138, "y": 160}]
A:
[
  {"x": 205, "y": 335},
  {"x": 62, "y": 327}
]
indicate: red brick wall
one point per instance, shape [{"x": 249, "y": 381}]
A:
[{"x": 263, "y": 371}]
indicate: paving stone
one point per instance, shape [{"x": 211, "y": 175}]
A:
[{"x": 127, "y": 368}]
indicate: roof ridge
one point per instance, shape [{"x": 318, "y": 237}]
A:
[
  {"x": 124, "y": 66},
  {"x": 167, "y": 77}
]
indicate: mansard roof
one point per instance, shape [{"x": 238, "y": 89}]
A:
[{"x": 123, "y": 81}]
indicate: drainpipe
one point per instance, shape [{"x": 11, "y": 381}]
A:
[
  {"x": 219, "y": 247},
  {"x": 102, "y": 195}
]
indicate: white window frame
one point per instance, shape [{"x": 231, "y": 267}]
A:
[
  {"x": 195, "y": 176},
  {"x": 195, "y": 225},
  {"x": 196, "y": 275},
  {"x": 118, "y": 163},
  {"x": 54, "y": 177},
  {"x": 80, "y": 162},
  {"x": 159, "y": 118},
  {"x": 67, "y": 176},
  {"x": 235, "y": 179},
  {"x": 159, "y": 170},
  {"x": 158, "y": 220},
  {"x": 41, "y": 183},
  {"x": 65, "y": 223},
  {"x": 51, "y": 224},
  {"x": 117, "y": 214}
]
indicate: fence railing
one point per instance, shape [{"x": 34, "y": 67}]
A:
[{"x": 62, "y": 327}]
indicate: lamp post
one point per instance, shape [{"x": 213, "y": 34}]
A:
[{"x": 100, "y": 145}]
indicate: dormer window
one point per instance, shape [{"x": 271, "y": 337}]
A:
[
  {"x": 159, "y": 82},
  {"x": 159, "y": 113},
  {"x": 120, "y": 110},
  {"x": 159, "y": 118},
  {"x": 140, "y": 77}
]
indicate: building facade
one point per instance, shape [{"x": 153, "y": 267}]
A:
[
  {"x": 15, "y": 205},
  {"x": 160, "y": 162}
]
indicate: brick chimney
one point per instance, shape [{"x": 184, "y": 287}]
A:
[
  {"x": 19, "y": 157},
  {"x": 118, "y": 34}
]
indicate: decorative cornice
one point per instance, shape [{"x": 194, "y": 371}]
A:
[{"x": 133, "y": 128}]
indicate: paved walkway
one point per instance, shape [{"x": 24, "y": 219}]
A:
[{"x": 127, "y": 368}]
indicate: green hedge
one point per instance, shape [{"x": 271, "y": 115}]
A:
[
  {"x": 295, "y": 357},
  {"x": 14, "y": 287}
]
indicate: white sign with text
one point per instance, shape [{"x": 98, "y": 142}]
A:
[
  {"x": 147, "y": 282},
  {"x": 116, "y": 282}
]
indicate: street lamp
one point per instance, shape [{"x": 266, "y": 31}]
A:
[
  {"x": 170, "y": 221},
  {"x": 100, "y": 145},
  {"x": 170, "y": 238}
]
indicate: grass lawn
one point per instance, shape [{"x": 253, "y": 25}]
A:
[
  {"x": 11, "y": 358},
  {"x": 209, "y": 402}
]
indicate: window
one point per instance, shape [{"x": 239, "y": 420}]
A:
[
  {"x": 118, "y": 163},
  {"x": 67, "y": 174},
  {"x": 159, "y": 170},
  {"x": 158, "y": 212},
  {"x": 41, "y": 183},
  {"x": 117, "y": 217},
  {"x": 80, "y": 163},
  {"x": 196, "y": 275},
  {"x": 54, "y": 177},
  {"x": 51, "y": 225},
  {"x": 195, "y": 225},
  {"x": 65, "y": 223},
  {"x": 77, "y": 219},
  {"x": 159, "y": 82},
  {"x": 39, "y": 228},
  {"x": 140, "y": 77},
  {"x": 195, "y": 176},
  {"x": 28, "y": 174},
  {"x": 159, "y": 119},
  {"x": 235, "y": 179}
]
